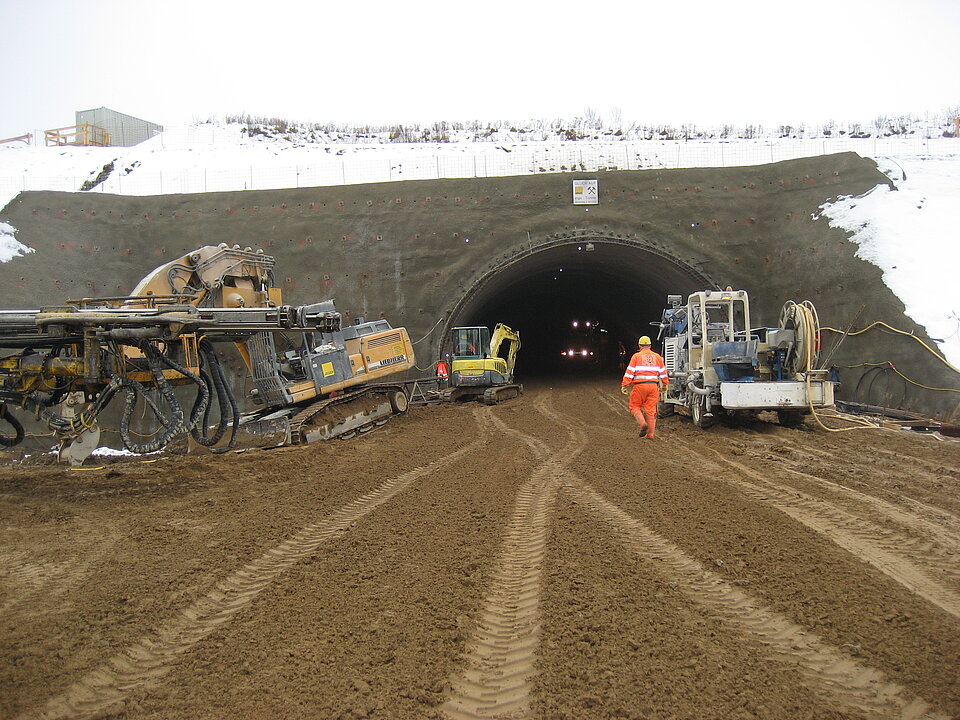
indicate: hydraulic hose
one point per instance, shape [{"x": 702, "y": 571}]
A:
[
  {"x": 806, "y": 323},
  {"x": 213, "y": 374},
  {"x": 705, "y": 392},
  {"x": 890, "y": 366},
  {"x": 60, "y": 425},
  {"x": 175, "y": 423},
  {"x": 203, "y": 391},
  {"x": 133, "y": 391},
  {"x": 18, "y": 435},
  {"x": 223, "y": 390}
]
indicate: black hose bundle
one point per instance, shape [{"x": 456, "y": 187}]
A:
[
  {"x": 173, "y": 423},
  {"x": 213, "y": 375},
  {"x": 41, "y": 405},
  {"x": 891, "y": 391},
  {"x": 17, "y": 438}
]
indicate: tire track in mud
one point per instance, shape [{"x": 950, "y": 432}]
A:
[
  {"x": 905, "y": 559},
  {"x": 495, "y": 681},
  {"x": 945, "y": 529},
  {"x": 150, "y": 658},
  {"x": 500, "y": 659},
  {"x": 943, "y": 533},
  {"x": 25, "y": 579},
  {"x": 839, "y": 460},
  {"x": 911, "y": 480},
  {"x": 855, "y": 685},
  {"x": 930, "y": 468},
  {"x": 898, "y": 556}
]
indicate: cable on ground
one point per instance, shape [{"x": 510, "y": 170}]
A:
[{"x": 892, "y": 329}]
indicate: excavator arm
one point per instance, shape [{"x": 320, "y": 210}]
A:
[
  {"x": 220, "y": 276},
  {"x": 504, "y": 334}
]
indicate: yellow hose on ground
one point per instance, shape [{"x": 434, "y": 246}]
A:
[{"x": 882, "y": 324}]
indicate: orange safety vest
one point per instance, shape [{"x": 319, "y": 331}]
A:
[
  {"x": 442, "y": 369},
  {"x": 645, "y": 366}
]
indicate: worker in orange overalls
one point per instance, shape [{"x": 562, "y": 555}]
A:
[
  {"x": 442, "y": 373},
  {"x": 645, "y": 373}
]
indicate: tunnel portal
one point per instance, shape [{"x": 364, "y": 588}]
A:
[{"x": 578, "y": 304}]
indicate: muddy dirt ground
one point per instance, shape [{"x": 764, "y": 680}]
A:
[{"x": 534, "y": 559}]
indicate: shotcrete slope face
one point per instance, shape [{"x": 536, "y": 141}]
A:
[{"x": 430, "y": 255}]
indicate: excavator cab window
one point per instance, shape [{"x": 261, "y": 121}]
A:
[{"x": 471, "y": 342}]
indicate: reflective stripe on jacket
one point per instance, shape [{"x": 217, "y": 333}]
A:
[{"x": 645, "y": 366}]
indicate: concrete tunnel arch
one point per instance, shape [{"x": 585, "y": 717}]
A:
[{"x": 618, "y": 282}]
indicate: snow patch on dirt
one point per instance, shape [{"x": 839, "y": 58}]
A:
[{"x": 10, "y": 247}]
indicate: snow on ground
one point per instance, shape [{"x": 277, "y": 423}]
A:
[
  {"x": 10, "y": 247},
  {"x": 910, "y": 233}
]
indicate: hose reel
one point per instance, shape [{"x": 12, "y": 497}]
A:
[{"x": 802, "y": 318}]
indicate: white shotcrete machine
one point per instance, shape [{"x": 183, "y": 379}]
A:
[{"x": 720, "y": 365}]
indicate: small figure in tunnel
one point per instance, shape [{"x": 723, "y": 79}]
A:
[
  {"x": 622, "y": 354},
  {"x": 645, "y": 373}
]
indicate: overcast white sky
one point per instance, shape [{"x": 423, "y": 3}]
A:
[{"x": 751, "y": 61}]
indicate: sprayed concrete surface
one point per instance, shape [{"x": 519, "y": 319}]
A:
[
  {"x": 529, "y": 560},
  {"x": 431, "y": 254}
]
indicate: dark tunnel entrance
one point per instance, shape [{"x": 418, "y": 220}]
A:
[{"x": 575, "y": 302}]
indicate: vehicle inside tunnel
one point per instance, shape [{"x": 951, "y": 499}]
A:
[{"x": 579, "y": 306}]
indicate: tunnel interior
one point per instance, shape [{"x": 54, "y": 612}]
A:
[{"x": 575, "y": 304}]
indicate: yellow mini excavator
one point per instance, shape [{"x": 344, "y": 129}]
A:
[
  {"x": 312, "y": 379},
  {"x": 483, "y": 366}
]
